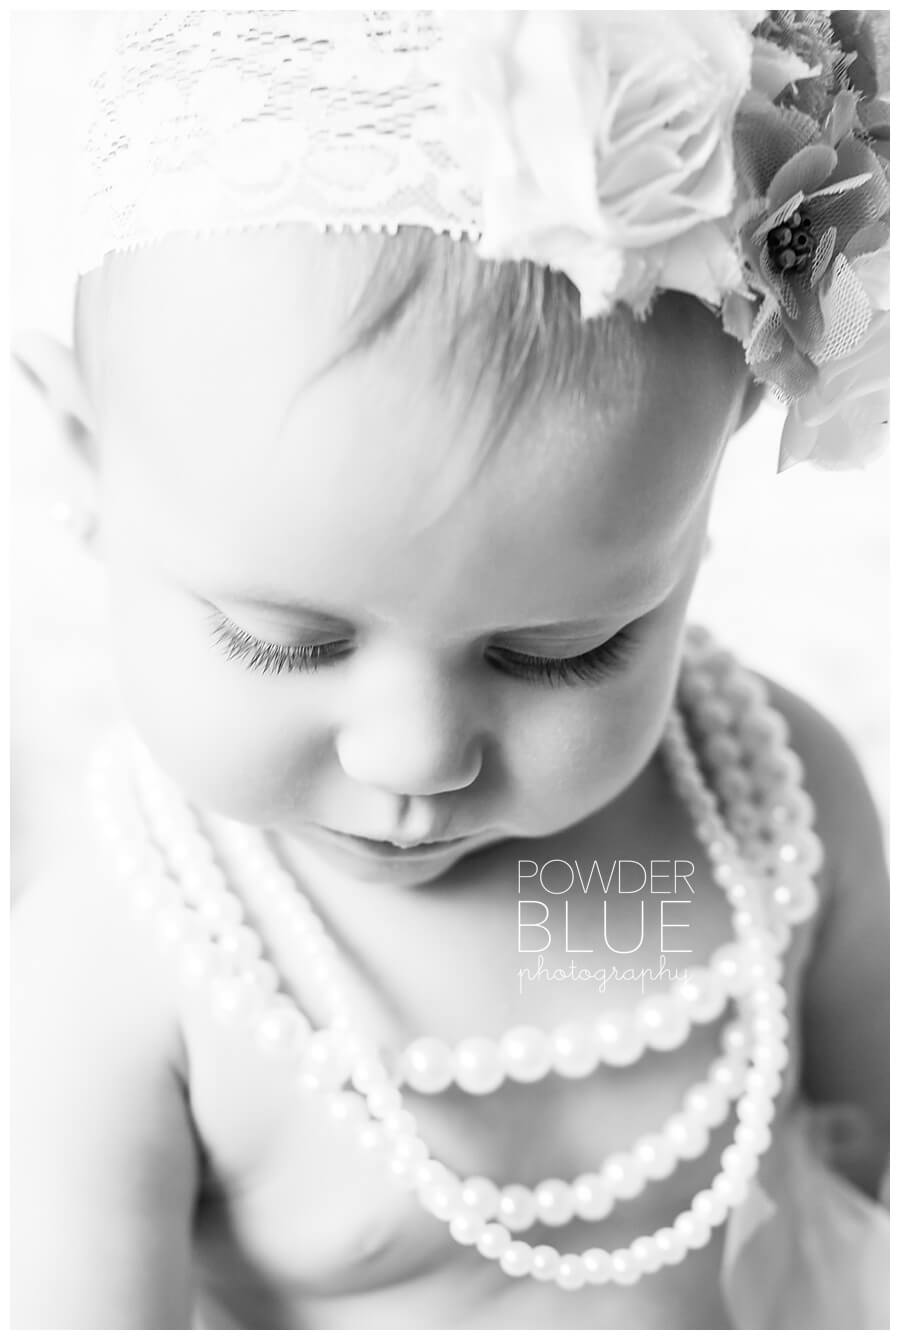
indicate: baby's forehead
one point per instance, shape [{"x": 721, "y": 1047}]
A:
[{"x": 264, "y": 345}]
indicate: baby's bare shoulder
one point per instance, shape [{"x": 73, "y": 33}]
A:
[
  {"x": 80, "y": 955},
  {"x": 105, "y": 1167}
]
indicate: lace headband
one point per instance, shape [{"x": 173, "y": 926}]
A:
[{"x": 738, "y": 156}]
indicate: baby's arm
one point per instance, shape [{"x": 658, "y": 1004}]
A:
[
  {"x": 845, "y": 1017},
  {"x": 104, "y": 1163}
]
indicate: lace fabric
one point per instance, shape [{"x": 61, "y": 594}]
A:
[{"x": 266, "y": 116}]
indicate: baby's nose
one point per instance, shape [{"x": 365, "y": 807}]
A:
[{"x": 413, "y": 736}]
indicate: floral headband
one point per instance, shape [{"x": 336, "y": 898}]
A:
[{"x": 739, "y": 156}]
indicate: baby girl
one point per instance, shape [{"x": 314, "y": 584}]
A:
[{"x": 401, "y": 521}]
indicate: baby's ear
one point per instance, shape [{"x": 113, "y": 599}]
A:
[{"x": 53, "y": 369}]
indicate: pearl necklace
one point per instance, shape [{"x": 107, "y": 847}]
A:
[{"x": 196, "y": 915}]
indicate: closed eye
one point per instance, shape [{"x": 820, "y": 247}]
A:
[
  {"x": 276, "y": 658},
  {"x": 588, "y": 667}
]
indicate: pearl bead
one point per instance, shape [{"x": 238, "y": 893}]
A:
[
  {"x": 619, "y": 1040},
  {"x": 516, "y": 1259},
  {"x": 324, "y": 1063},
  {"x": 231, "y": 999},
  {"x": 517, "y": 1207},
  {"x": 722, "y": 751},
  {"x": 623, "y": 1267},
  {"x": 198, "y": 962},
  {"x": 755, "y": 1109},
  {"x": 597, "y": 1265},
  {"x": 729, "y": 962},
  {"x": 482, "y": 1195},
  {"x": 727, "y": 1074},
  {"x": 707, "y": 1102},
  {"x": 655, "y": 1157},
  {"x": 261, "y": 976},
  {"x": 367, "y": 1073},
  {"x": 592, "y": 1197},
  {"x": 466, "y": 1227},
  {"x": 692, "y": 1231},
  {"x": 756, "y": 1138},
  {"x": 477, "y": 1066},
  {"x": 730, "y": 1188},
  {"x": 664, "y": 1021},
  {"x": 739, "y": 1161},
  {"x": 646, "y": 1254},
  {"x": 428, "y": 1065},
  {"x": 525, "y": 1053},
  {"x": 280, "y": 1030},
  {"x": 772, "y": 996},
  {"x": 709, "y": 1207},
  {"x": 574, "y": 1049},
  {"x": 442, "y": 1201},
  {"x": 771, "y": 1027},
  {"x": 733, "y": 784},
  {"x": 178, "y": 925},
  {"x": 241, "y": 944},
  {"x": 554, "y": 1201},
  {"x": 434, "y": 1173},
  {"x": 770, "y": 1055},
  {"x": 570, "y": 1272},
  {"x": 796, "y": 898},
  {"x": 401, "y": 1122},
  {"x": 704, "y": 993},
  {"x": 544, "y": 1262},
  {"x": 688, "y": 1136},
  {"x": 347, "y": 1109},
  {"x": 623, "y": 1175},
  {"x": 383, "y": 1098},
  {"x": 221, "y": 910},
  {"x": 734, "y": 1035},
  {"x": 764, "y": 729},
  {"x": 762, "y": 1082},
  {"x": 493, "y": 1241},
  {"x": 672, "y": 1247}
]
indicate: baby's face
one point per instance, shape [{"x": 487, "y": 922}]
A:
[{"x": 327, "y": 622}]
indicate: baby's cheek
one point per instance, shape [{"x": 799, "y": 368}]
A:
[
  {"x": 589, "y": 743},
  {"x": 238, "y": 742}
]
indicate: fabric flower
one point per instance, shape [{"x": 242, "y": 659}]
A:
[
  {"x": 841, "y": 421},
  {"x": 601, "y": 143},
  {"x": 805, "y": 220}
]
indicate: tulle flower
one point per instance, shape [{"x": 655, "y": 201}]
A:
[
  {"x": 842, "y": 419},
  {"x": 813, "y": 234}
]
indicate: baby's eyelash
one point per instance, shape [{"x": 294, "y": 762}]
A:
[
  {"x": 279, "y": 658},
  {"x": 590, "y": 667},
  {"x": 273, "y": 658}
]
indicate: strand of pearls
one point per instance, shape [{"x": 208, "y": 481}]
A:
[
  {"x": 524, "y": 1054},
  {"x": 757, "y": 776},
  {"x": 478, "y": 1065},
  {"x": 204, "y": 919}
]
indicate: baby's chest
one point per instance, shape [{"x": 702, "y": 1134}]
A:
[{"x": 301, "y": 1211}]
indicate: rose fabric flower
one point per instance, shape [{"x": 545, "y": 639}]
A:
[
  {"x": 738, "y": 156},
  {"x": 601, "y": 143}
]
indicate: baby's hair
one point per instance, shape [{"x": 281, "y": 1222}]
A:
[{"x": 512, "y": 329}]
